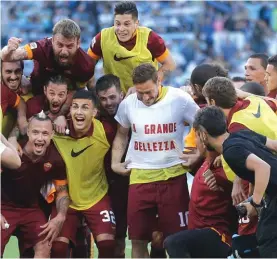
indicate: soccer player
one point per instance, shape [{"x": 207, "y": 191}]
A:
[
  {"x": 110, "y": 96},
  {"x": 126, "y": 45},
  {"x": 252, "y": 113},
  {"x": 255, "y": 69},
  {"x": 55, "y": 94},
  {"x": 83, "y": 151},
  {"x": 20, "y": 191},
  {"x": 250, "y": 156},
  {"x": 8, "y": 154},
  {"x": 9, "y": 99},
  {"x": 211, "y": 215},
  {"x": 60, "y": 54},
  {"x": 156, "y": 115},
  {"x": 271, "y": 77}
]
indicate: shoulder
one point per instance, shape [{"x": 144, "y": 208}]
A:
[
  {"x": 54, "y": 156},
  {"x": 179, "y": 95},
  {"x": 36, "y": 99}
]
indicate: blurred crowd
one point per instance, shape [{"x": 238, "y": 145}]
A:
[{"x": 227, "y": 32}]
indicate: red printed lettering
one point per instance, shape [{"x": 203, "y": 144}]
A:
[
  {"x": 149, "y": 147},
  {"x": 136, "y": 145},
  {"x": 146, "y": 129},
  {"x": 165, "y": 128},
  {"x": 155, "y": 144},
  {"x": 172, "y": 146},
  {"x": 159, "y": 129},
  {"x": 160, "y": 146},
  {"x": 166, "y": 145},
  {"x": 134, "y": 127}
]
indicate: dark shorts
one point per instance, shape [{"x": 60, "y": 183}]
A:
[
  {"x": 168, "y": 199},
  {"x": 99, "y": 218},
  {"x": 267, "y": 229},
  {"x": 24, "y": 224},
  {"x": 118, "y": 193},
  {"x": 196, "y": 243}
]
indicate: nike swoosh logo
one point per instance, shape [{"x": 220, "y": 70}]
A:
[
  {"x": 119, "y": 59},
  {"x": 75, "y": 154},
  {"x": 258, "y": 114}
]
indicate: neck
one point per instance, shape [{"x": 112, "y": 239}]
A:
[
  {"x": 27, "y": 150},
  {"x": 83, "y": 132},
  {"x": 218, "y": 144},
  {"x": 226, "y": 111}
]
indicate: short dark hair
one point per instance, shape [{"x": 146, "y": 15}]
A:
[
  {"x": 262, "y": 57},
  {"x": 126, "y": 7},
  {"x": 59, "y": 80},
  {"x": 85, "y": 94},
  {"x": 41, "y": 116},
  {"x": 222, "y": 91},
  {"x": 21, "y": 62},
  {"x": 106, "y": 82},
  {"x": 68, "y": 28},
  {"x": 212, "y": 119},
  {"x": 143, "y": 73},
  {"x": 273, "y": 61},
  {"x": 238, "y": 79},
  {"x": 253, "y": 88},
  {"x": 202, "y": 73}
]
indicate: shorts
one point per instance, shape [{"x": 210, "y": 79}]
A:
[
  {"x": 118, "y": 193},
  {"x": 99, "y": 218},
  {"x": 168, "y": 199},
  {"x": 24, "y": 224}
]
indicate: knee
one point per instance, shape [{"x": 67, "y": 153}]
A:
[
  {"x": 42, "y": 250},
  {"x": 60, "y": 249}
]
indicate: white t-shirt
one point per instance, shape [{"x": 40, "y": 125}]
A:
[
  {"x": 2, "y": 148},
  {"x": 156, "y": 129}
]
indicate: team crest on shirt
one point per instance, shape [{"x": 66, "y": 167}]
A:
[
  {"x": 47, "y": 166},
  {"x": 33, "y": 45}
]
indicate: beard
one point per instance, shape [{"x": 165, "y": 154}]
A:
[{"x": 66, "y": 65}]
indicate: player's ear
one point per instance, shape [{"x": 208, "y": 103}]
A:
[
  {"x": 79, "y": 43},
  {"x": 212, "y": 102},
  {"x": 94, "y": 112},
  {"x": 121, "y": 95},
  {"x": 44, "y": 90}
]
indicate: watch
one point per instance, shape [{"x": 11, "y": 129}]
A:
[{"x": 255, "y": 205}]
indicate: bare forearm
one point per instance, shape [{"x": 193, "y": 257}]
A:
[
  {"x": 9, "y": 56},
  {"x": 262, "y": 175},
  {"x": 62, "y": 200},
  {"x": 119, "y": 147}
]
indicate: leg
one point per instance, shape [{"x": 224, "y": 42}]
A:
[
  {"x": 199, "y": 243},
  {"x": 42, "y": 250},
  {"x": 118, "y": 193},
  {"x": 101, "y": 222},
  {"x": 157, "y": 250},
  {"x": 142, "y": 211},
  {"x": 60, "y": 247}
]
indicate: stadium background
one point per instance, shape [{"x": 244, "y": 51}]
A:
[{"x": 195, "y": 32}]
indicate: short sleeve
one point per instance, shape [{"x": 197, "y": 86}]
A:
[
  {"x": 13, "y": 99},
  {"x": 235, "y": 156},
  {"x": 59, "y": 174},
  {"x": 2, "y": 148},
  {"x": 122, "y": 116},
  {"x": 189, "y": 107},
  {"x": 37, "y": 50},
  {"x": 156, "y": 46},
  {"x": 95, "y": 50}
]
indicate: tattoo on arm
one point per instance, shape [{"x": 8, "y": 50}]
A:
[{"x": 62, "y": 199}]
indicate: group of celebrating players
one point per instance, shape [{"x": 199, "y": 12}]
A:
[{"x": 83, "y": 160}]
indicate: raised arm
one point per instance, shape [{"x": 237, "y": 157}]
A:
[
  {"x": 119, "y": 147},
  {"x": 167, "y": 66},
  {"x": 12, "y": 52}
]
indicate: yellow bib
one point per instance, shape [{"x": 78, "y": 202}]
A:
[
  {"x": 120, "y": 61},
  {"x": 84, "y": 159},
  {"x": 258, "y": 117}
]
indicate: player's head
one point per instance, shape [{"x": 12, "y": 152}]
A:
[
  {"x": 238, "y": 81},
  {"x": 109, "y": 93},
  {"x": 220, "y": 91},
  {"x": 145, "y": 79},
  {"x": 253, "y": 88},
  {"x": 209, "y": 124},
  {"x": 40, "y": 132},
  {"x": 271, "y": 73},
  {"x": 66, "y": 41},
  {"x": 201, "y": 74},
  {"x": 125, "y": 20},
  {"x": 55, "y": 91},
  {"x": 82, "y": 110},
  {"x": 11, "y": 74},
  {"x": 255, "y": 68}
]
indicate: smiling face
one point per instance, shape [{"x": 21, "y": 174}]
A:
[
  {"x": 110, "y": 99},
  {"x": 82, "y": 111},
  {"x": 56, "y": 95},
  {"x": 147, "y": 92},
  {"x": 12, "y": 74},
  {"x": 40, "y": 134},
  {"x": 125, "y": 26},
  {"x": 271, "y": 77},
  {"x": 65, "y": 49}
]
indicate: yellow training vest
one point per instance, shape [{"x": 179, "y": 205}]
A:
[
  {"x": 84, "y": 159},
  {"x": 119, "y": 61},
  {"x": 258, "y": 117}
]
